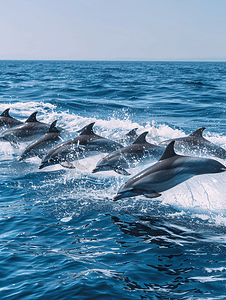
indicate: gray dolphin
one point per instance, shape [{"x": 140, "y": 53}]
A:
[
  {"x": 171, "y": 170},
  {"x": 197, "y": 144},
  {"x": 86, "y": 144},
  {"x": 8, "y": 121},
  {"x": 41, "y": 146},
  {"x": 139, "y": 151},
  {"x": 128, "y": 138},
  {"x": 30, "y": 130}
]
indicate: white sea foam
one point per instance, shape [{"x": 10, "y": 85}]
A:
[{"x": 66, "y": 219}]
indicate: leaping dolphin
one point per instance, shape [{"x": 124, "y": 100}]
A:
[
  {"x": 8, "y": 121},
  {"x": 41, "y": 146},
  {"x": 139, "y": 151},
  {"x": 171, "y": 170},
  {"x": 197, "y": 144},
  {"x": 30, "y": 130},
  {"x": 86, "y": 144}
]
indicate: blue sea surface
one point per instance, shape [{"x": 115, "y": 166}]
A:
[{"x": 62, "y": 236}]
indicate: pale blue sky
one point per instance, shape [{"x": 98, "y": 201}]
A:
[{"x": 112, "y": 30}]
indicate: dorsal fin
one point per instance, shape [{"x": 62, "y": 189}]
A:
[
  {"x": 132, "y": 132},
  {"x": 198, "y": 132},
  {"x": 88, "y": 129},
  {"x": 5, "y": 113},
  {"x": 32, "y": 118},
  {"x": 169, "y": 151},
  {"x": 53, "y": 128},
  {"x": 141, "y": 138}
]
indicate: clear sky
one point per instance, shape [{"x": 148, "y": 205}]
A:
[{"x": 113, "y": 29}]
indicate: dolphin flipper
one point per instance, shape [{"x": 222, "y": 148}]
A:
[
  {"x": 15, "y": 144},
  {"x": 152, "y": 195},
  {"x": 121, "y": 171},
  {"x": 67, "y": 164}
]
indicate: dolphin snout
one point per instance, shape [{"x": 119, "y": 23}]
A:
[
  {"x": 117, "y": 197},
  {"x": 41, "y": 166},
  {"x": 101, "y": 168},
  {"x": 95, "y": 170},
  {"x": 20, "y": 158}
]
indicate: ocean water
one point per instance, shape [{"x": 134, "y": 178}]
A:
[{"x": 62, "y": 236}]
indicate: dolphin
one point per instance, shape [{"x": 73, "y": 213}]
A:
[
  {"x": 86, "y": 144},
  {"x": 42, "y": 145},
  {"x": 30, "y": 130},
  {"x": 128, "y": 138},
  {"x": 139, "y": 151},
  {"x": 197, "y": 144},
  {"x": 171, "y": 170},
  {"x": 8, "y": 121}
]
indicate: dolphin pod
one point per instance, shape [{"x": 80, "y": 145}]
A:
[
  {"x": 123, "y": 153},
  {"x": 139, "y": 151},
  {"x": 171, "y": 170},
  {"x": 86, "y": 144}
]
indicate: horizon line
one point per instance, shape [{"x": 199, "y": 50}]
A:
[{"x": 123, "y": 59}]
